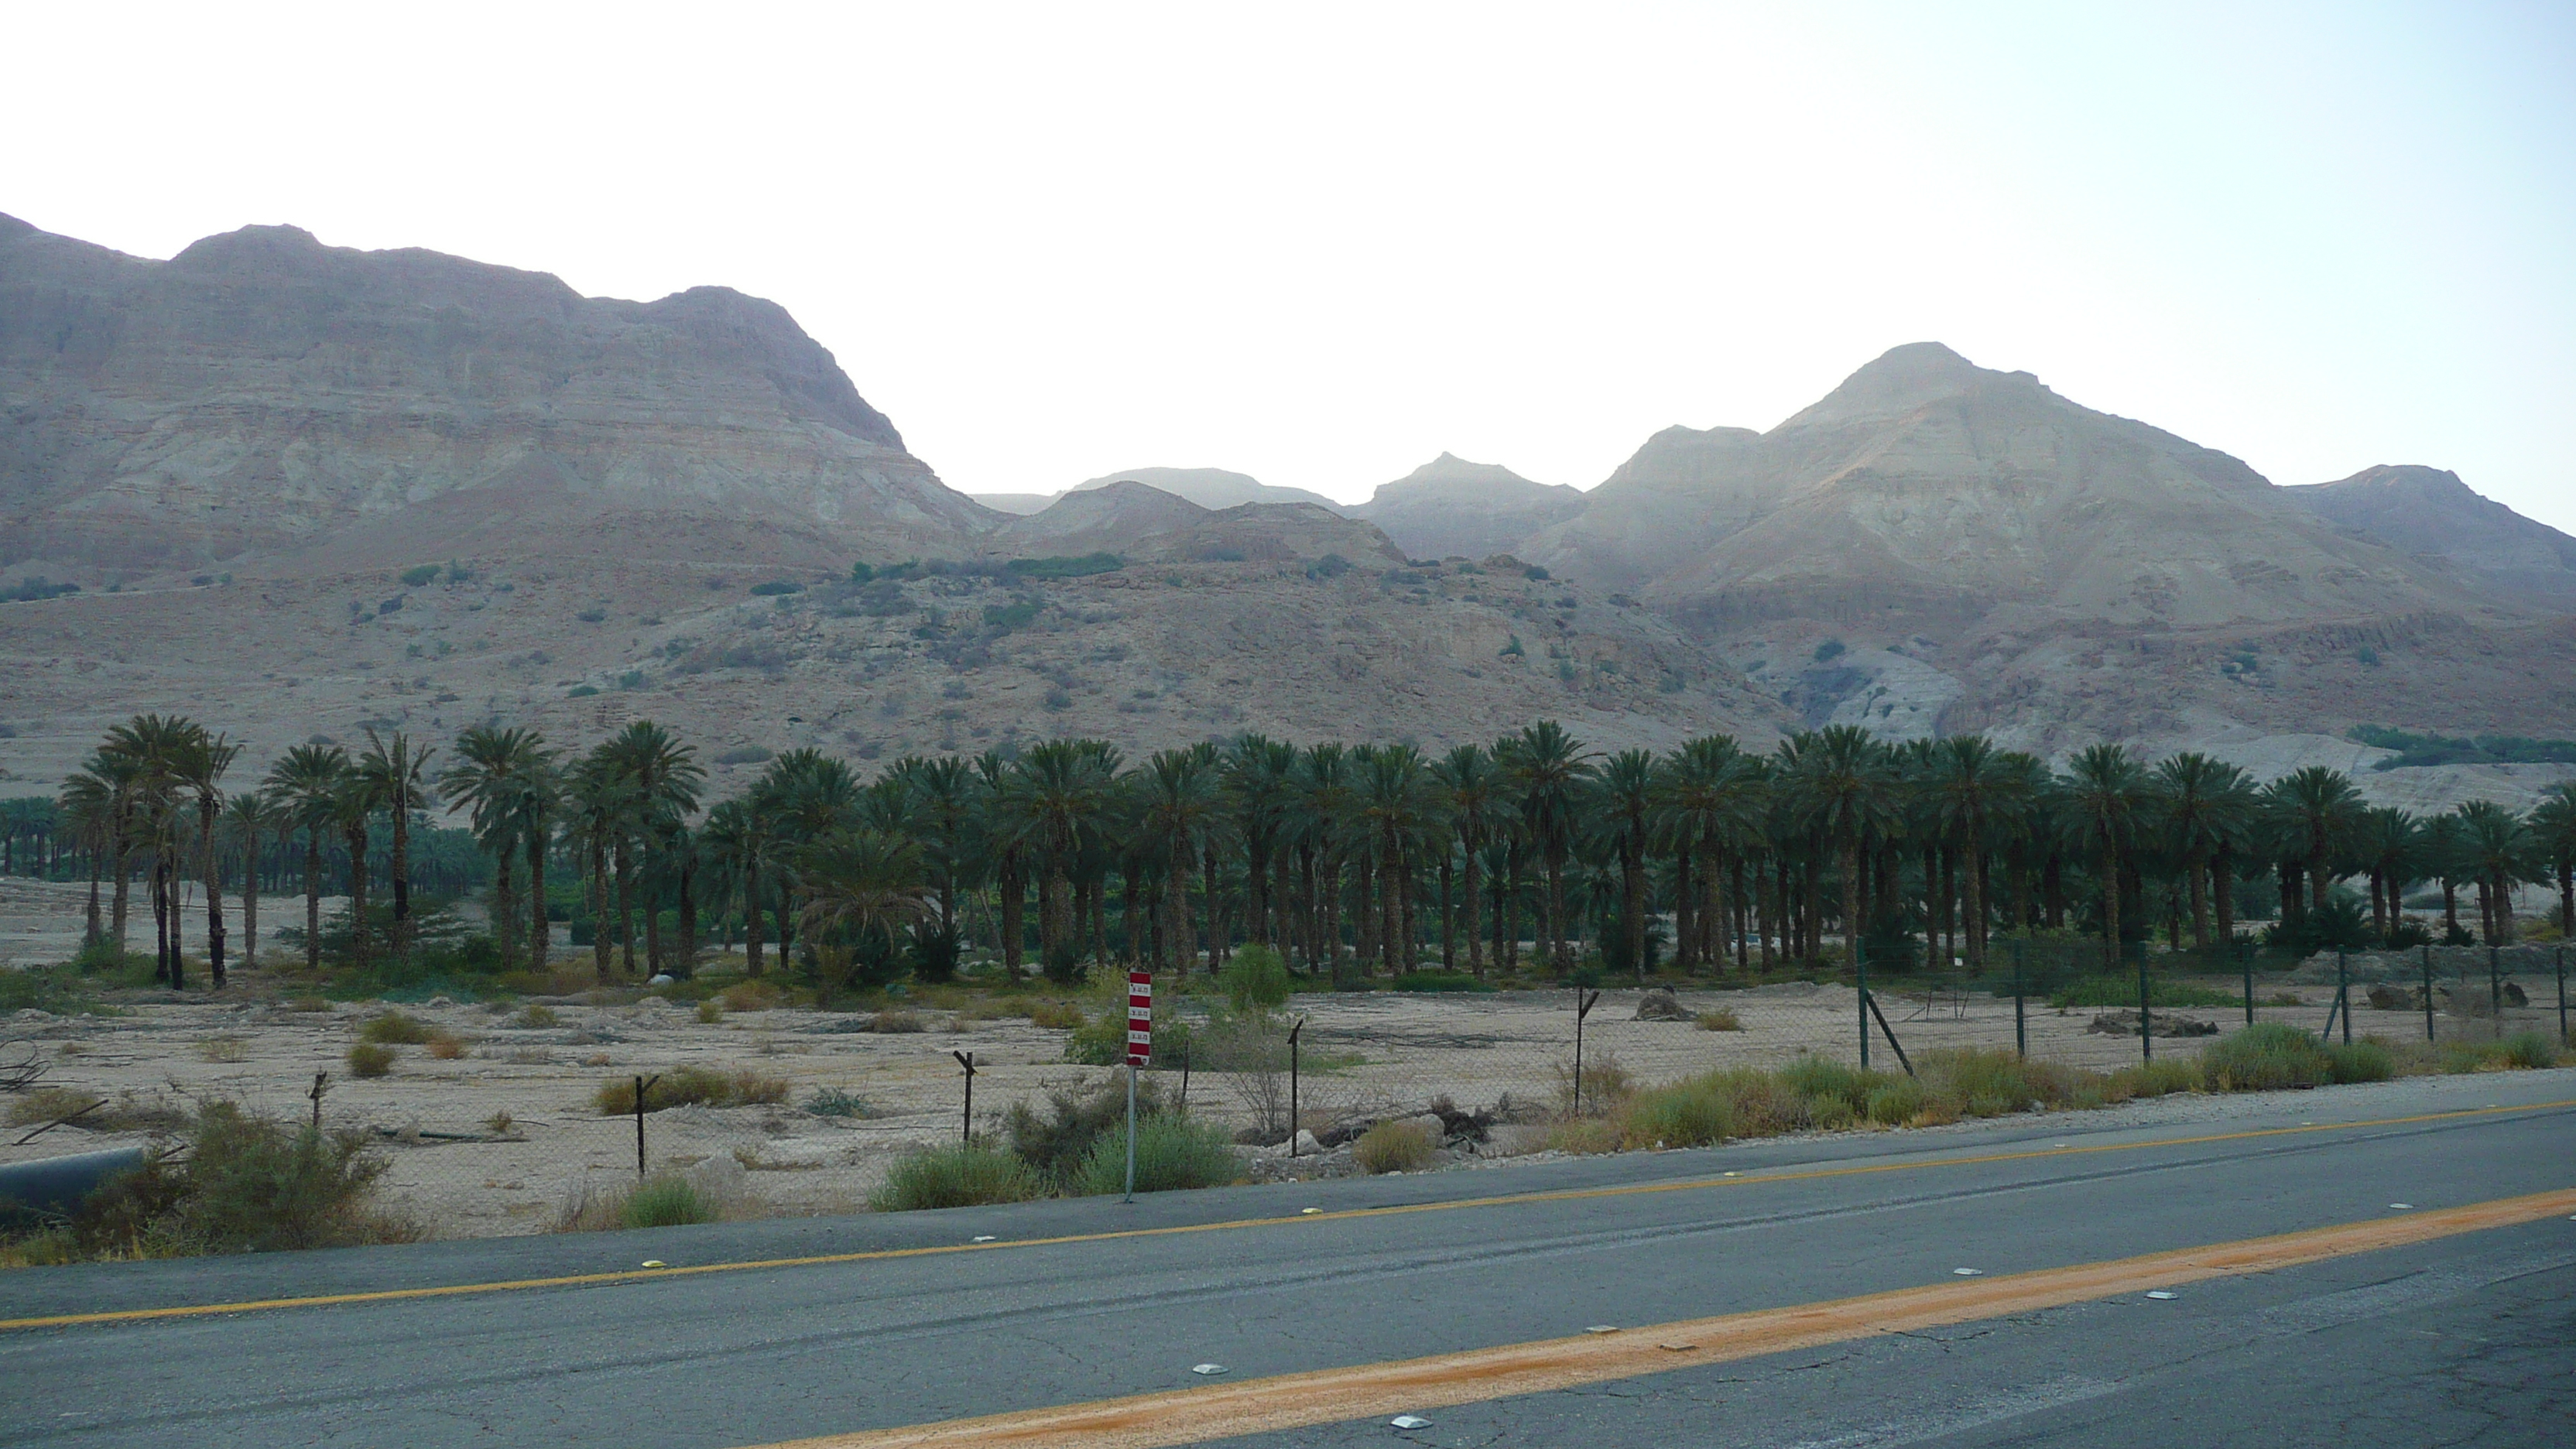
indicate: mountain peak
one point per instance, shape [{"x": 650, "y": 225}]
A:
[{"x": 1902, "y": 379}]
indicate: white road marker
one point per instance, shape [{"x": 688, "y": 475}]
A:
[{"x": 2159, "y": 1294}]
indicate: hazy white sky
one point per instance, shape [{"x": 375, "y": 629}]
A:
[{"x": 1322, "y": 243}]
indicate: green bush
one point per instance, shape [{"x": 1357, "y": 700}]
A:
[
  {"x": 960, "y": 1175},
  {"x": 246, "y": 1184},
  {"x": 416, "y": 578},
  {"x": 370, "y": 1059},
  {"x": 1173, "y": 1154},
  {"x": 394, "y": 1029},
  {"x": 2266, "y": 1057},
  {"x": 834, "y": 1102},
  {"x": 1256, "y": 977},
  {"x": 2530, "y": 1049},
  {"x": 685, "y": 1085},
  {"x": 1823, "y": 1081},
  {"x": 668, "y": 1201},
  {"x": 1056, "y": 1143},
  {"x": 1696, "y": 1113},
  {"x": 1897, "y": 1103},
  {"x": 2152, "y": 1079},
  {"x": 2363, "y": 1061},
  {"x": 1394, "y": 1147}
]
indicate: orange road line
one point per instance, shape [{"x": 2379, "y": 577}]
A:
[
  {"x": 872, "y": 1255},
  {"x": 1296, "y": 1401}
]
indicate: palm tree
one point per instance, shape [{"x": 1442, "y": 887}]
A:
[
  {"x": 490, "y": 779},
  {"x": 1844, "y": 789},
  {"x": 2317, "y": 807},
  {"x": 2444, "y": 847},
  {"x": 397, "y": 776},
  {"x": 2388, "y": 843},
  {"x": 855, "y": 882},
  {"x": 2106, "y": 792},
  {"x": 2204, "y": 808},
  {"x": 1178, "y": 808},
  {"x": 249, "y": 817},
  {"x": 1471, "y": 791},
  {"x": 1969, "y": 784},
  {"x": 197, "y": 763},
  {"x": 1397, "y": 815},
  {"x": 306, "y": 782},
  {"x": 739, "y": 843},
  {"x": 1547, "y": 769},
  {"x": 2553, "y": 829},
  {"x": 1627, "y": 801},
  {"x": 2499, "y": 849},
  {"x": 658, "y": 780}
]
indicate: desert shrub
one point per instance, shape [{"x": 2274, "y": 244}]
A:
[
  {"x": 1993, "y": 1083},
  {"x": 1898, "y": 1102},
  {"x": 2368, "y": 1060},
  {"x": 834, "y": 1102},
  {"x": 666, "y": 1201},
  {"x": 1387, "y": 1147},
  {"x": 961, "y": 1175},
  {"x": 2529, "y": 1049},
  {"x": 370, "y": 1059},
  {"x": 710, "y": 1012},
  {"x": 446, "y": 1046},
  {"x": 1056, "y": 1015},
  {"x": 224, "y": 1049},
  {"x": 245, "y": 1184},
  {"x": 1721, "y": 1019},
  {"x": 1696, "y": 1113},
  {"x": 1255, "y": 978},
  {"x": 750, "y": 996},
  {"x": 685, "y": 1085},
  {"x": 1832, "y": 1088},
  {"x": 393, "y": 1028},
  {"x": 2151, "y": 1079},
  {"x": 1055, "y": 1143},
  {"x": 1605, "y": 1084},
  {"x": 2266, "y": 1057},
  {"x": 537, "y": 1016},
  {"x": 1173, "y": 1153},
  {"x": 1102, "y": 1040},
  {"x": 895, "y": 1020}
]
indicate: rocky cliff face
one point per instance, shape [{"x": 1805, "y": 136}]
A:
[
  {"x": 262, "y": 392},
  {"x": 2430, "y": 514},
  {"x": 1451, "y": 508}
]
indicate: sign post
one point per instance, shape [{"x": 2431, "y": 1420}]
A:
[{"x": 1140, "y": 1052}]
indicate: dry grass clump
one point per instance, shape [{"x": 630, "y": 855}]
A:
[
  {"x": 1394, "y": 1147},
  {"x": 710, "y": 1012},
  {"x": 93, "y": 1111},
  {"x": 1606, "y": 1084},
  {"x": 595, "y": 1059},
  {"x": 750, "y": 996},
  {"x": 664, "y": 1200},
  {"x": 308, "y": 1003},
  {"x": 895, "y": 1019},
  {"x": 685, "y": 1085},
  {"x": 1056, "y": 1015},
  {"x": 393, "y": 1028},
  {"x": 446, "y": 1046},
  {"x": 537, "y": 1015},
  {"x": 1721, "y": 1019},
  {"x": 370, "y": 1059},
  {"x": 962, "y": 1175},
  {"x": 224, "y": 1049}
]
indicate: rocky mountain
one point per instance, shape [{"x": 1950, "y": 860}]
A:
[
  {"x": 1451, "y": 508},
  {"x": 306, "y": 490},
  {"x": 261, "y": 392},
  {"x": 1937, "y": 546},
  {"x": 2431, "y": 514},
  {"x": 1206, "y": 487}
]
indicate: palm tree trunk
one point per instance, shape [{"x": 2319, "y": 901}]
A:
[
  {"x": 2222, "y": 888},
  {"x": 120, "y": 851},
  {"x": 751, "y": 921},
  {"x": 2197, "y": 867},
  {"x": 1555, "y": 923},
  {"x": 2110, "y": 909},
  {"x": 1176, "y": 914},
  {"x": 1448, "y": 914},
  {"x": 92, "y": 932},
  {"x": 1474, "y": 902},
  {"x": 505, "y": 906},
  {"x": 540, "y": 935},
  {"x": 208, "y": 862},
  {"x": 400, "y": 866},
  {"x": 688, "y": 915},
  {"x": 1686, "y": 913},
  {"x": 1851, "y": 911},
  {"x": 313, "y": 898},
  {"x": 357, "y": 843},
  {"x": 603, "y": 932},
  {"x": 1014, "y": 906}
]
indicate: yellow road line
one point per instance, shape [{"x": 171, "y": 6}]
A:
[
  {"x": 1296, "y": 1401},
  {"x": 873, "y": 1255}
]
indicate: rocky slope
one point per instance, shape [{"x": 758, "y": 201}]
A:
[
  {"x": 1450, "y": 507},
  {"x": 261, "y": 393},
  {"x": 1206, "y": 487},
  {"x": 2430, "y": 514}
]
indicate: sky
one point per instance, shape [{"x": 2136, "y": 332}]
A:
[{"x": 1323, "y": 243}]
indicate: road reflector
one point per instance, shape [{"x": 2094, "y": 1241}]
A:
[
  {"x": 1967, "y": 1272},
  {"x": 983, "y": 1237},
  {"x": 2403, "y": 1206},
  {"x": 1410, "y": 1421},
  {"x": 1603, "y": 1328},
  {"x": 1308, "y": 1212},
  {"x": 2159, "y": 1294},
  {"x": 655, "y": 1263},
  {"x": 1207, "y": 1369},
  {"x": 1677, "y": 1347}
]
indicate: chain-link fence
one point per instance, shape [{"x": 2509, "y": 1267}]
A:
[{"x": 521, "y": 1119}]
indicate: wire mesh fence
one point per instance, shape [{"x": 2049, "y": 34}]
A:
[{"x": 522, "y": 1119}]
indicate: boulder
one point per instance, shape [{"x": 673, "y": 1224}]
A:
[
  {"x": 1661, "y": 1005},
  {"x": 2125, "y": 1023}
]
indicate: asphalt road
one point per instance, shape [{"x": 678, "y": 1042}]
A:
[{"x": 2464, "y": 1339}]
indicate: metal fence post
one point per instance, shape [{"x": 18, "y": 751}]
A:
[
  {"x": 2343, "y": 991},
  {"x": 2146, "y": 1009},
  {"x": 2562, "y": 993},
  {"x": 967, "y": 1060},
  {"x": 2495, "y": 986},
  {"x": 1292, "y": 1084},
  {"x": 1860, "y": 966},
  {"x": 2245, "y": 957},
  {"x": 2021, "y": 1029},
  {"x": 1582, "y": 1008},
  {"x": 642, "y": 1085},
  {"x": 2428, "y": 991}
]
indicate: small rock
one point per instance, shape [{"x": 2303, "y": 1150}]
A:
[
  {"x": 1661, "y": 1005},
  {"x": 438, "y": 1003},
  {"x": 661, "y": 978},
  {"x": 29, "y": 1013}
]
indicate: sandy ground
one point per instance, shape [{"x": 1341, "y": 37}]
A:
[{"x": 461, "y": 1174}]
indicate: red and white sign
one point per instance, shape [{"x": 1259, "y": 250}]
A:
[{"x": 1140, "y": 1018}]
